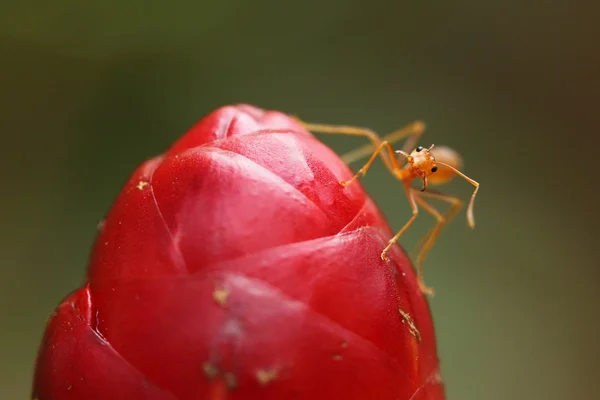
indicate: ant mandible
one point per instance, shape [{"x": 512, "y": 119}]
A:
[{"x": 435, "y": 167}]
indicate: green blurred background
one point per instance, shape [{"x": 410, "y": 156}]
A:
[{"x": 90, "y": 91}]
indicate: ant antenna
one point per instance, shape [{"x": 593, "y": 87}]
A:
[{"x": 470, "y": 217}]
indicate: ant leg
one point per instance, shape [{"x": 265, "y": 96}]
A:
[
  {"x": 429, "y": 240},
  {"x": 415, "y": 212},
  {"x": 413, "y": 131},
  {"x": 354, "y": 131},
  {"x": 455, "y": 206},
  {"x": 365, "y": 168}
]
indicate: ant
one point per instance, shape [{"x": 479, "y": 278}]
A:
[{"x": 430, "y": 166}]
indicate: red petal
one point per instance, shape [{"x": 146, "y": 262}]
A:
[{"x": 75, "y": 362}]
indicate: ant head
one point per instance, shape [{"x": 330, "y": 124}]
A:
[
  {"x": 437, "y": 165},
  {"x": 422, "y": 161}
]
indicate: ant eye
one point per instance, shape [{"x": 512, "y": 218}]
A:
[
  {"x": 419, "y": 148},
  {"x": 434, "y": 169}
]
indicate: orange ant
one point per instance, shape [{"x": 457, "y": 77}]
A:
[{"x": 430, "y": 166}]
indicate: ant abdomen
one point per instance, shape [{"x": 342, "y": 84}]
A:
[{"x": 445, "y": 155}]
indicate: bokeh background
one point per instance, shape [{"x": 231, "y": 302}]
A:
[{"x": 91, "y": 89}]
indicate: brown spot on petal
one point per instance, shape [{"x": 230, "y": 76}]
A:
[
  {"x": 210, "y": 370},
  {"x": 264, "y": 376},
  {"x": 230, "y": 380},
  {"x": 412, "y": 328},
  {"x": 220, "y": 296},
  {"x": 142, "y": 184}
]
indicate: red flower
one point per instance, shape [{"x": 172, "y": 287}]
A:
[{"x": 235, "y": 266}]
